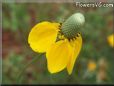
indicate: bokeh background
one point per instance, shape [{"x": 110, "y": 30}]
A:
[{"x": 94, "y": 64}]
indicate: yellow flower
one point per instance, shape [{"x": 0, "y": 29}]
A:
[
  {"x": 61, "y": 52},
  {"x": 91, "y": 66},
  {"x": 111, "y": 40}
]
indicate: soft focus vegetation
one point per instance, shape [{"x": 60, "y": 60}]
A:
[{"x": 94, "y": 64}]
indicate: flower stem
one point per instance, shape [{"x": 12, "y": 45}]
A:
[{"x": 19, "y": 77}]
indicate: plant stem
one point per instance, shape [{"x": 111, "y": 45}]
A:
[{"x": 19, "y": 77}]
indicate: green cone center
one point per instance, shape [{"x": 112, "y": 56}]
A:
[{"x": 73, "y": 25}]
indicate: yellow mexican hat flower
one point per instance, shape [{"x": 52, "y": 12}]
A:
[
  {"x": 91, "y": 66},
  {"x": 61, "y": 42},
  {"x": 110, "y": 39}
]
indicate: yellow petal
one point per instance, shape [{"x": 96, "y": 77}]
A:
[
  {"x": 42, "y": 36},
  {"x": 76, "y": 46},
  {"x": 58, "y": 56},
  {"x": 111, "y": 40}
]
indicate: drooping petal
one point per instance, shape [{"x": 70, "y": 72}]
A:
[
  {"x": 58, "y": 56},
  {"x": 76, "y": 46},
  {"x": 42, "y": 36}
]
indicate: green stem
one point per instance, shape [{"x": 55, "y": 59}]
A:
[{"x": 19, "y": 77}]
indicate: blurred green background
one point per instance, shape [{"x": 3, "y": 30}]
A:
[{"x": 19, "y": 18}]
